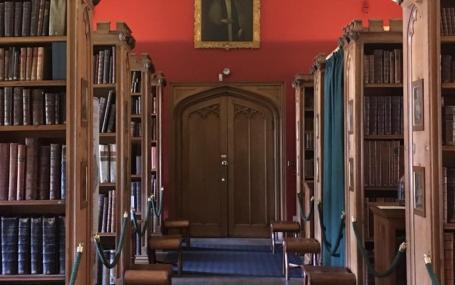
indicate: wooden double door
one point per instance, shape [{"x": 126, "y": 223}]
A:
[{"x": 228, "y": 166}]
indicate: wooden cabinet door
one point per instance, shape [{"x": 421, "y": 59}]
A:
[
  {"x": 251, "y": 168},
  {"x": 204, "y": 195}
]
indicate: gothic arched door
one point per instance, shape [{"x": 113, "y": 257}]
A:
[{"x": 228, "y": 165}]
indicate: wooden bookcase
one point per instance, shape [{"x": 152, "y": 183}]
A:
[
  {"x": 304, "y": 114},
  {"x": 426, "y": 43},
  {"x": 75, "y": 66},
  {"x": 142, "y": 116},
  {"x": 119, "y": 42},
  {"x": 373, "y": 127},
  {"x": 318, "y": 77}
]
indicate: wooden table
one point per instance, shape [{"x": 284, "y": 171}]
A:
[{"x": 389, "y": 223}]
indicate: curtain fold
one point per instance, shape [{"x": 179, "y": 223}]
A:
[{"x": 333, "y": 156}]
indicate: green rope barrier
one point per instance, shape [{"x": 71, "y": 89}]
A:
[
  {"x": 429, "y": 267},
  {"x": 393, "y": 266},
  {"x": 136, "y": 227},
  {"x": 328, "y": 245},
  {"x": 118, "y": 248},
  {"x": 158, "y": 208},
  {"x": 76, "y": 263},
  {"x": 304, "y": 217}
]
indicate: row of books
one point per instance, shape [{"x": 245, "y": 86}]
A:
[
  {"x": 107, "y": 111},
  {"x": 33, "y": 245},
  {"x": 309, "y": 168},
  {"x": 383, "y": 162},
  {"x": 136, "y": 129},
  {"x": 23, "y": 106},
  {"x": 24, "y": 63},
  {"x": 108, "y": 163},
  {"x": 135, "y": 82},
  {"x": 32, "y": 171},
  {"x": 136, "y": 108},
  {"x": 106, "y": 214},
  {"x": 449, "y": 195},
  {"x": 32, "y": 18},
  {"x": 383, "y": 115},
  {"x": 383, "y": 67},
  {"x": 447, "y": 68},
  {"x": 449, "y": 125},
  {"x": 104, "y": 66},
  {"x": 107, "y": 276},
  {"x": 136, "y": 196},
  {"x": 449, "y": 255},
  {"x": 448, "y": 21},
  {"x": 309, "y": 140}
]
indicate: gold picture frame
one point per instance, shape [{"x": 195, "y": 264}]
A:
[{"x": 211, "y": 34}]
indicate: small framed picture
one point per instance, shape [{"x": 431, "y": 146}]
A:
[
  {"x": 350, "y": 122},
  {"x": 351, "y": 174},
  {"x": 418, "y": 106},
  {"x": 419, "y": 190}
]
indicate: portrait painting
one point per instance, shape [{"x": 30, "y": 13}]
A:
[
  {"x": 227, "y": 24},
  {"x": 419, "y": 190},
  {"x": 418, "y": 105}
]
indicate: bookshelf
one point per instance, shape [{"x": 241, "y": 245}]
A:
[
  {"x": 373, "y": 132},
  {"x": 318, "y": 77},
  {"x": 304, "y": 114},
  {"x": 42, "y": 91},
  {"x": 141, "y": 109},
  {"x": 111, "y": 77}
]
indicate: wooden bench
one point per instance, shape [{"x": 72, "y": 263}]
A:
[
  {"x": 299, "y": 246},
  {"x": 166, "y": 243},
  {"x": 325, "y": 275},
  {"x": 150, "y": 274},
  {"x": 287, "y": 228}
]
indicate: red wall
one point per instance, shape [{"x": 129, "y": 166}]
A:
[{"x": 292, "y": 31}]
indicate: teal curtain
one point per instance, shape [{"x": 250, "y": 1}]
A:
[{"x": 333, "y": 157}]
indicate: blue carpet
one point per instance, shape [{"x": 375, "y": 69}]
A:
[{"x": 224, "y": 259}]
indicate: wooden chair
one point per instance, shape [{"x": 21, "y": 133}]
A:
[
  {"x": 287, "y": 228},
  {"x": 182, "y": 227},
  {"x": 166, "y": 243},
  {"x": 151, "y": 274},
  {"x": 299, "y": 246},
  {"x": 325, "y": 275}
]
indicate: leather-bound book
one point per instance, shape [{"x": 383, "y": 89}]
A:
[
  {"x": 7, "y": 60},
  {"x": 105, "y": 213},
  {"x": 2, "y": 64},
  {"x": 57, "y": 110},
  {"x": 104, "y": 163},
  {"x": 99, "y": 79},
  {"x": 110, "y": 101},
  {"x": 26, "y": 17},
  {"x": 2, "y": 107},
  {"x": 26, "y": 104},
  {"x": 29, "y": 62},
  {"x": 57, "y": 18},
  {"x": 34, "y": 18},
  {"x": 9, "y": 18},
  {"x": 39, "y": 31},
  {"x": 111, "y": 122},
  {"x": 109, "y": 212},
  {"x": 61, "y": 244},
  {"x": 38, "y": 106},
  {"x": 47, "y": 8},
  {"x": 9, "y": 245},
  {"x": 17, "y": 18},
  {"x": 59, "y": 61},
  {"x": 103, "y": 101},
  {"x": 20, "y": 185},
  {"x": 35, "y": 64},
  {"x": 12, "y": 171},
  {"x": 23, "y": 246},
  {"x": 44, "y": 172},
  {"x": 63, "y": 174},
  {"x": 15, "y": 64},
  {"x": 8, "y": 119},
  {"x": 4, "y": 171},
  {"x": 106, "y": 66},
  {"x": 40, "y": 65},
  {"x": 49, "y": 107},
  {"x": 2, "y": 18},
  {"x": 36, "y": 245},
  {"x": 50, "y": 245},
  {"x": 22, "y": 63},
  {"x": 17, "y": 106},
  {"x": 95, "y": 68},
  {"x": 112, "y": 163},
  {"x": 113, "y": 207},
  {"x": 31, "y": 176},
  {"x": 101, "y": 208},
  {"x": 113, "y": 65},
  {"x": 55, "y": 171},
  {"x": 109, "y": 78}
]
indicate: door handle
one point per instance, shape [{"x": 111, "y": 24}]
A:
[{"x": 224, "y": 162}]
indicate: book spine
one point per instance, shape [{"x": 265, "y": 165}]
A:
[
  {"x": 34, "y": 18},
  {"x": 27, "y": 119},
  {"x": 23, "y": 248},
  {"x": 9, "y": 245},
  {"x": 17, "y": 106},
  {"x": 2, "y": 107},
  {"x": 8, "y": 120},
  {"x": 57, "y": 112},
  {"x": 31, "y": 177},
  {"x": 40, "y": 62},
  {"x": 26, "y": 16},
  {"x": 21, "y": 157},
  {"x": 63, "y": 174},
  {"x": 113, "y": 163},
  {"x": 36, "y": 242},
  {"x": 57, "y": 18},
  {"x": 39, "y": 30},
  {"x": 9, "y": 18},
  {"x": 17, "y": 18},
  {"x": 2, "y": 19},
  {"x": 38, "y": 106},
  {"x": 23, "y": 63},
  {"x": 2, "y": 64},
  {"x": 61, "y": 244},
  {"x": 4, "y": 171},
  {"x": 50, "y": 246},
  {"x": 12, "y": 171},
  {"x": 55, "y": 171},
  {"x": 44, "y": 173},
  {"x": 49, "y": 107},
  {"x": 29, "y": 64}
]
